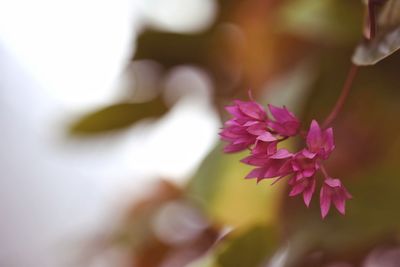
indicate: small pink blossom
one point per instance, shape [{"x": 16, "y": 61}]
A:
[
  {"x": 305, "y": 186},
  {"x": 333, "y": 191},
  {"x": 285, "y": 124},
  {"x": 320, "y": 145},
  {"x": 276, "y": 165},
  {"x": 304, "y": 164},
  {"x": 248, "y": 123},
  {"x": 245, "y": 111},
  {"x": 238, "y": 137},
  {"x": 264, "y": 148},
  {"x": 320, "y": 142}
]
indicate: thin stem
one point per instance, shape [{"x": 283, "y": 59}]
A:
[
  {"x": 343, "y": 95},
  {"x": 371, "y": 19},
  {"x": 324, "y": 172}
]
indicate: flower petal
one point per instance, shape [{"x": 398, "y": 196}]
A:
[
  {"x": 252, "y": 109},
  {"x": 256, "y": 173},
  {"x": 314, "y": 137},
  {"x": 266, "y": 137},
  {"x": 325, "y": 200},
  {"x": 309, "y": 192},
  {"x": 281, "y": 114},
  {"x": 340, "y": 203},
  {"x": 281, "y": 154},
  {"x": 297, "y": 189}
]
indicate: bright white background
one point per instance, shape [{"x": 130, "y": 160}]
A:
[{"x": 59, "y": 58}]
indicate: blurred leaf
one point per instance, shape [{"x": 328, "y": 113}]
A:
[
  {"x": 171, "y": 49},
  {"x": 387, "y": 40},
  {"x": 381, "y": 47},
  {"x": 229, "y": 199},
  {"x": 249, "y": 249},
  {"x": 329, "y": 20},
  {"x": 118, "y": 116},
  {"x": 390, "y": 15}
]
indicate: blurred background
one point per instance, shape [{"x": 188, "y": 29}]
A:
[{"x": 109, "y": 151}]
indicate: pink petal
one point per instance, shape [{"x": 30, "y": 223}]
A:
[
  {"x": 277, "y": 127},
  {"x": 291, "y": 127},
  {"x": 325, "y": 201},
  {"x": 308, "y": 172},
  {"x": 266, "y": 137},
  {"x": 281, "y": 114},
  {"x": 256, "y": 173},
  {"x": 314, "y": 136},
  {"x": 252, "y": 109},
  {"x": 328, "y": 139},
  {"x": 333, "y": 182},
  {"x": 255, "y": 160},
  {"x": 264, "y": 148},
  {"x": 251, "y": 123},
  {"x": 281, "y": 154},
  {"x": 234, "y": 148},
  {"x": 272, "y": 170},
  {"x": 272, "y": 148},
  {"x": 309, "y": 192},
  {"x": 346, "y": 193},
  {"x": 308, "y": 154},
  {"x": 339, "y": 201},
  {"x": 242, "y": 140},
  {"x": 234, "y": 110},
  {"x": 297, "y": 189}
]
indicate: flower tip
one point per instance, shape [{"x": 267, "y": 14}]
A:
[
  {"x": 324, "y": 212},
  {"x": 307, "y": 200},
  {"x": 314, "y": 127},
  {"x": 250, "y": 94}
]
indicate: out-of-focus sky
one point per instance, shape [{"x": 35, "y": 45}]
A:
[{"x": 57, "y": 60}]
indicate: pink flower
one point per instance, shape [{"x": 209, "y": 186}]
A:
[
  {"x": 304, "y": 164},
  {"x": 250, "y": 128},
  {"x": 248, "y": 123},
  {"x": 305, "y": 186},
  {"x": 238, "y": 137},
  {"x": 245, "y": 111},
  {"x": 333, "y": 191},
  {"x": 264, "y": 148},
  {"x": 276, "y": 165},
  {"x": 285, "y": 124},
  {"x": 320, "y": 142}
]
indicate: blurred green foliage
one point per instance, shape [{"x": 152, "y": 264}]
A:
[
  {"x": 227, "y": 198},
  {"x": 251, "y": 248},
  {"x": 118, "y": 116}
]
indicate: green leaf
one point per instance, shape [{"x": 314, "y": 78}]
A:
[
  {"x": 387, "y": 40},
  {"x": 118, "y": 116}
]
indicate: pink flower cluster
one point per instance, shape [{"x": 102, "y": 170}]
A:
[{"x": 253, "y": 129}]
